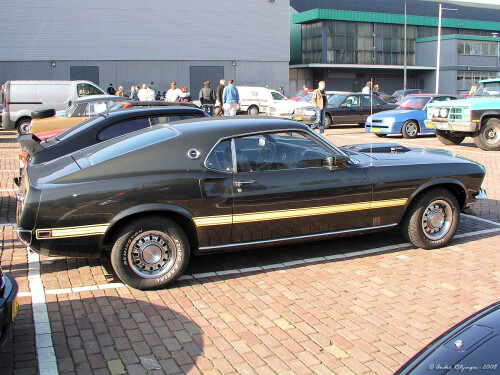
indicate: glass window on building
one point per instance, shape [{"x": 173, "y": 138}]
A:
[{"x": 477, "y": 48}]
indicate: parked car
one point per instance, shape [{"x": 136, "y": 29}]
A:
[
  {"x": 300, "y": 94},
  {"x": 153, "y": 197},
  {"x": 286, "y": 108},
  {"x": 398, "y": 95},
  {"x": 101, "y": 128},
  {"x": 254, "y": 100},
  {"x": 82, "y": 109},
  {"x": 471, "y": 346},
  {"x": 9, "y": 305},
  {"x": 345, "y": 109},
  {"x": 407, "y": 119},
  {"x": 24, "y": 97}
]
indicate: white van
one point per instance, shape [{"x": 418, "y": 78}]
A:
[
  {"x": 257, "y": 99},
  {"x": 24, "y": 97}
]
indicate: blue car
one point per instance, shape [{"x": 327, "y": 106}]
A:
[{"x": 407, "y": 119}]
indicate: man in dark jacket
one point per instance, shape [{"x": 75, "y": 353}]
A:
[
  {"x": 111, "y": 90},
  {"x": 220, "y": 92},
  {"x": 207, "y": 98}
]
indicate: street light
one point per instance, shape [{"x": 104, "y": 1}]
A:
[{"x": 438, "y": 63}]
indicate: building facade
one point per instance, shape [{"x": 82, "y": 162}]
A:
[
  {"x": 349, "y": 42},
  {"x": 129, "y": 43}
]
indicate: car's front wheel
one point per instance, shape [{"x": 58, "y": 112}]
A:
[
  {"x": 447, "y": 139},
  {"x": 432, "y": 220},
  {"x": 488, "y": 137},
  {"x": 150, "y": 253},
  {"x": 410, "y": 129}
]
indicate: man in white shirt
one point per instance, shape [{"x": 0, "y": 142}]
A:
[
  {"x": 142, "y": 95},
  {"x": 151, "y": 94},
  {"x": 368, "y": 88},
  {"x": 173, "y": 93}
]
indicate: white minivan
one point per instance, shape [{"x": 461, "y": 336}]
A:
[
  {"x": 254, "y": 100},
  {"x": 24, "y": 97}
]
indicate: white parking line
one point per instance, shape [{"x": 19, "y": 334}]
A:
[
  {"x": 8, "y": 225},
  {"x": 47, "y": 362},
  {"x": 278, "y": 266},
  {"x": 8, "y": 190}
]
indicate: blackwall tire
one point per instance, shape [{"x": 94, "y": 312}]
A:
[
  {"x": 44, "y": 113},
  {"x": 150, "y": 253},
  {"x": 447, "y": 139},
  {"x": 488, "y": 138},
  {"x": 380, "y": 135},
  {"x": 432, "y": 219},
  {"x": 410, "y": 129},
  {"x": 23, "y": 125},
  {"x": 328, "y": 121}
]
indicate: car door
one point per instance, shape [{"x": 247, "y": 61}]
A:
[
  {"x": 282, "y": 189},
  {"x": 348, "y": 111}
]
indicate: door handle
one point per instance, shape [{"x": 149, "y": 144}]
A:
[{"x": 241, "y": 183}]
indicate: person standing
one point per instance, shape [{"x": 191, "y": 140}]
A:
[
  {"x": 120, "y": 92},
  {"x": 220, "y": 91},
  {"x": 2, "y": 94},
  {"x": 375, "y": 90},
  {"x": 173, "y": 93},
  {"x": 230, "y": 99},
  {"x": 150, "y": 94},
  {"x": 207, "y": 98},
  {"x": 368, "y": 88},
  {"x": 111, "y": 90},
  {"x": 133, "y": 92},
  {"x": 281, "y": 90},
  {"x": 142, "y": 95},
  {"x": 320, "y": 103},
  {"x": 185, "y": 95},
  {"x": 153, "y": 86}
]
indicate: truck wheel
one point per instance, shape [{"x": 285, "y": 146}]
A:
[
  {"x": 432, "y": 220},
  {"x": 410, "y": 129},
  {"x": 447, "y": 139},
  {"x": 488, "y": 137},
  {"x": 24, "y": 125},
  {"x": 328, "y": 121},
  {"x": 150, "y": 253},
  {"x": 44, "y": 113},
  {"x": 253, "y": 111}
]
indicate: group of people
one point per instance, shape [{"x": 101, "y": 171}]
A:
[
  {"x": 227, "y": 97},
  {"x": 368, "y": 89}
]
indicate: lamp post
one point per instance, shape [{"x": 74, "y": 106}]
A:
[{"x": 438, "y": 62}]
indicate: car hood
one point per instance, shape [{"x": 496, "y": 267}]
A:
[
  {"x": 477, "y": 103},
  {"x": 396, "y": 113}
]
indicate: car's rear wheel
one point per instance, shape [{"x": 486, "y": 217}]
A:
[
  {"x": 24, "y": 125},
  {"x": 253, "y": 111},
  {"x": 488, "y": 137},
  {"x": 447, "y": 138},
  {"x": 150, "y": 253},
  {"x": 432, "y": 220},
  {"x": 410, "y": 129},
  {"x": 328, "y": 121}
]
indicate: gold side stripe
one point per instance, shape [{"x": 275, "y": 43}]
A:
[
  {"x": 87, "y": 230},
  {"x": 294, "y": 213}
]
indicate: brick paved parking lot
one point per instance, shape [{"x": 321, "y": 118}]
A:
[{"x": 359, "y": 305}]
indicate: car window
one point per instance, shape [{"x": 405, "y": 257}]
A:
[
  {"x": 335, "y": 100},
  {"x": 95, "y": 108},
  {"x": 121, "y": 128},
  {"x": 84, "y": 89},
  {"x": 414, "y": 102},
  {"x": 277, "y": 151},
  {"x": 306, "y": 98},
  {"x": 220, "y": 158},
  {"x": 277, "y": 95},
  {"x": 442, "y": 99},
  {"x": 366, "y": 100},
  {"x": 352, "y": 101}
]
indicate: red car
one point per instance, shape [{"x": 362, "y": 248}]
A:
[{"x": 299, "y": 94}]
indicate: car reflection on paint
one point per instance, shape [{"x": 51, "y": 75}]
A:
[
  {"x": 9, "y": 305},
  {"x": 153, "y": 197}
]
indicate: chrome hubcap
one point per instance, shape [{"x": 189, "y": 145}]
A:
[
  {"x": 437, "y": 220},
  {"x": 152, "y": 254},
  {"x": 491, "y": 135}
]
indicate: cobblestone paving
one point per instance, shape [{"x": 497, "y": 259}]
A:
[{"x": 359, "y": 305}]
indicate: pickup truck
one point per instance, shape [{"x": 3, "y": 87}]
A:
[{"x": 477, "y": 117}]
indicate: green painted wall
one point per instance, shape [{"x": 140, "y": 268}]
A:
[{"x": 295, "y": 39}]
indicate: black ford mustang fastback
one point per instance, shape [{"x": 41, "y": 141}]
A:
[{"x": 154, "y": 196}]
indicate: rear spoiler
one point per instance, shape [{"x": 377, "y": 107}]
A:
[{"x": 30, "y": 143}]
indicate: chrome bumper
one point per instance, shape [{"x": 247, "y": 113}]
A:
[
  {"x": 455, "y": 126},
  {"x": 481, "y": 194}
]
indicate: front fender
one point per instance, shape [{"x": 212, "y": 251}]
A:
[{"x": 459, "y": 189}]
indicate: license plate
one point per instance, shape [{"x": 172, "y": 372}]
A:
[
  {"x": 298, "y": 118},
  {"x": 15, "y": 308},
  {"x": 375, "y": 130}
]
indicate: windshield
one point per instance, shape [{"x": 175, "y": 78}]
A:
[
  {"x": 77, "y": 128},
  {"x": 488, "y": 89},
  {"x": 70, "y": 110},
  {"x": 306, "y": 98},
  {"x": 336, "y": 99},
  {"x": 414, "y": 102},
  {"x": 298, "y": 94}
]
